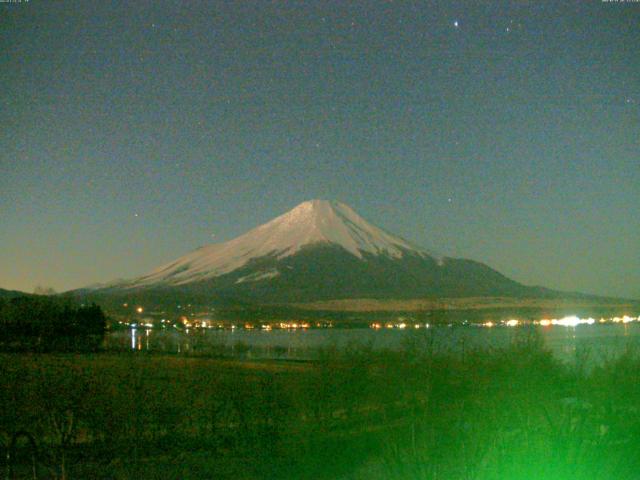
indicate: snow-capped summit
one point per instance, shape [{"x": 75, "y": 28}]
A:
[
  {"x": 333, "y": 222},
  {"x": 311, "y": 222},
  {"x": 320, "y": 250}
]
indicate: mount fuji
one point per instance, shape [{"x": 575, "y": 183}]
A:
[{"x": 320, "y": 250}]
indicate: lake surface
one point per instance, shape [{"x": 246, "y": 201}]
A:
[{"x": 570, "y": 344}]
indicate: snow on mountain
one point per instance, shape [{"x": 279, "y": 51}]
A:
[
  {"x": 311, "y": 222},
  {"x": 256, "y": 277}
]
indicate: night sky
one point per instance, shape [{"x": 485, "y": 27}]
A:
[{"x": 135, "y": 131}]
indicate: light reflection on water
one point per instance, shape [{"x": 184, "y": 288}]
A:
[{"x": 596, "y": 342}]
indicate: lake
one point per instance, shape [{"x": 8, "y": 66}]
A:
[{"x": 597, "y": 341}]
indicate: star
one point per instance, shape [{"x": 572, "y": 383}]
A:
[{"x": 456, "y": 23}]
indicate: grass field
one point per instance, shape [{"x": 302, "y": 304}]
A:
[{"x": 513, "y": 413}]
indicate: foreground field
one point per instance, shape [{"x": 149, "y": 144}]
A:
[{"x": 513, "y": 413}]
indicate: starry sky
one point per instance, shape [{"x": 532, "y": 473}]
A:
[{"x": 135, "y": 131}]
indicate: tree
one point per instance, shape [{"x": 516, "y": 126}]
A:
[
  {"x": 48, "y": 323},
  {"x": 42, "y": 290}
]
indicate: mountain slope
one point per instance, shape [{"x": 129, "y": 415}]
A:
[
  {"x": 12, "y": 293},
  {"x": 325, "y": 272},
  {"x": 310, "y": 223},
  {"x": 320, "y": 250}
]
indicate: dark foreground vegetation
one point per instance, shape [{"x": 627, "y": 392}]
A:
[
  {"x": 513, "y": 413},
  {"x": 43, "y": 324}
]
